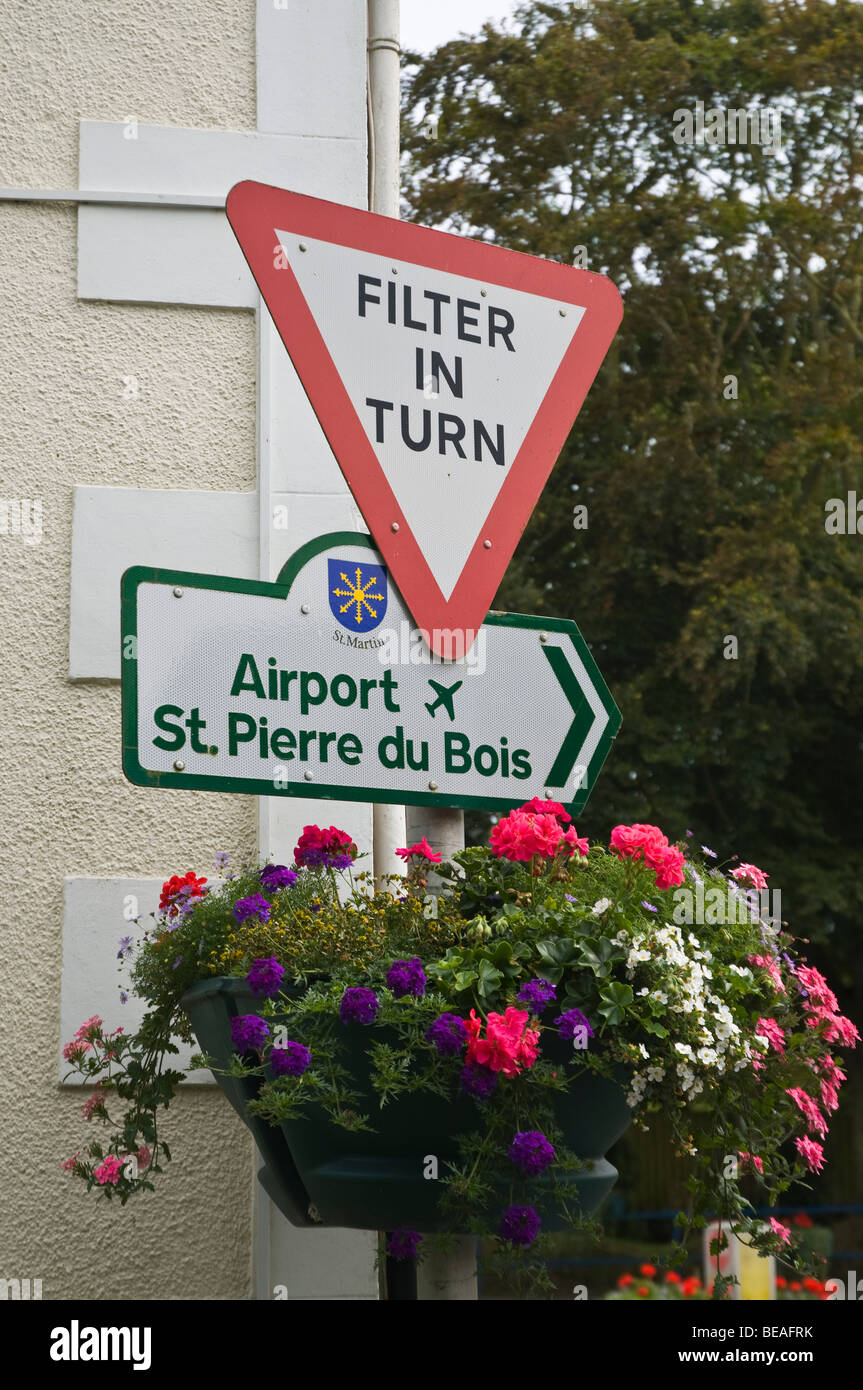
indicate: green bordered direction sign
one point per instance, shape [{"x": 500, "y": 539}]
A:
[{"x": 320, "y": 685}]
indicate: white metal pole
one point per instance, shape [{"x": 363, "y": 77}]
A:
[
  {"x": 452, "y": 1276},
  {"x": 384, "y": 150}
]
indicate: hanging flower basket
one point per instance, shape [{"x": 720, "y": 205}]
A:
[{"x": 463, "y": 1062}]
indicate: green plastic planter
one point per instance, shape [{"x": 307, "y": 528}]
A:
[
  {"x": 210, "y": 1006},
  {"x": 375, "y": 1181}
]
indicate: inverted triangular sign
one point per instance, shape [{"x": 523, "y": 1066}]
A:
[{"x": 445, "y": 373}]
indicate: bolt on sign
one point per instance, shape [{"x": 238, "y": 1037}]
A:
[
  {"x": 446, "y": 374},
  {"x": 321, "y": 685}
]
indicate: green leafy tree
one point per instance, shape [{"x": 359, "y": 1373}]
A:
[{"x": 726, "y": 618}]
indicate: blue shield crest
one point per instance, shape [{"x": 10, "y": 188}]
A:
[{"x": 358, "y": 594}]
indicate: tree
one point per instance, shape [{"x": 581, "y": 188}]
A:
[{"x": 725, "y": 615}]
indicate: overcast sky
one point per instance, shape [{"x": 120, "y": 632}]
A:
[{"x": 427, "y": 23}]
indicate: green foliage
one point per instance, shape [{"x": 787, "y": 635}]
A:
[{"x": 706, "y": 513}]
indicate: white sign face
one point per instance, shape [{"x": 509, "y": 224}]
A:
[
  {"x": 322, "y": 686},
  {"x": 445, "y": 375},
  {"x": 445, "y": 372}
]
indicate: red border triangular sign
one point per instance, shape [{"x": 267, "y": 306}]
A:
[{"x": 446, "y": 374}]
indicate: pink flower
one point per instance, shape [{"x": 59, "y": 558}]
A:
[
  {"x": 769, "y": 964},
  {"x": 817, "y": 987},
  {"x": 522, "y": 834},
  {"x": 831, "y": 1071},
  {"x": 94, "y": 1105},
  {"x": 837, "y": 1028},
  {"x": 90, "y": 1030},
  {"x": 756, "y": 1162},
  {"x": 812, "y": 1152},
  {"x": 108, "y": 1171},
  {"x": 632, "y": 841},
  {"x": 509, "y": 1045},
  {"x": 536, "y": 807},
  {"x": 75, "y": 1050},
  {"x": 647, "y": 842},
  {"x": 784, "y": 1232},
  {"x": 829, "y": 1095},
  {"x": 144, "y": 1156},
  {"x": 769, "y": 1029},
  {"x": 814, "y": 1119},
  {"x": 422, "y": 849},
  {"x": 68, "y": 1164},
  {"x": 576, "y": 846},
  {"x": 670, "y": 869},
  {"x": 757, "y": 879}
]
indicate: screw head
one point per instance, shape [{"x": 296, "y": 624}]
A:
[
  {"x": 179, "y": 765},
  {"x": 178, "y": 593},
  {"x": 395, "y": 270},
  {"x": 562, "y": 313},
  {"x": 486, "y": 545},
  {"x": 432, "y": 786},
  {"x": 394, "y": 527},
  {"x": 304, "y": 608},
  {"x": 303, "y": 246},
  {"x": 308, "y": 776},
  {"x": 484, "y": 294},
  {"x": 543, "y": 637}
]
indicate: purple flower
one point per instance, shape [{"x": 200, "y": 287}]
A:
[
  {"x": 177, "y": 962},
  {"x": 689, "y": 833},
  {"x": 478, "y": 1081},
  {"x": 276, "y": 876},
  {"x": 520, "y": 1225},
  {"x": 569, "y": 1022},
  {"x": 449, "y": 1034},
  {"x": 256, "y": 906},
  {"x": 538, "y": 994},
  {"x": 709, "y": 852},
  {"x": 649, "y": 906},
  {"x": 407, "y": 977},
  {"x": 570, "y": 898},
  {"x": 265, "y": 976},
  {"x": 531, "y": 1152},
  {"x": 221, "y": 859},
  {"x": 248, "y": 1032},
  {"x": 124, "y": 998},
  {"x": 359, "y": 1005},
  {"x": 403, "y": 1244},
  {"x": 126, "y": 944},
  {"x": 291, "y": 1060}
]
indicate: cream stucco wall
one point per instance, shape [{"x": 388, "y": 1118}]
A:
[{"x": 64, "y": 805}]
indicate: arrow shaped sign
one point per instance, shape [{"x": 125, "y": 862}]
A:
[
  {"x": 320, "y": 685},
  {"x": 445, "y": 373}
]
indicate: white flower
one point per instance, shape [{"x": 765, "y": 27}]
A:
[
  {"x": 684, "y": 1049},
  {"x": 644, "y": 1052},
  {"x": 707, "y": 1056},
  {"x": 660, "y": 995},
  {"x": 601, "y": 905}
]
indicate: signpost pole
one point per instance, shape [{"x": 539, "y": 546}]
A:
[{"x": 384, "y": 91}]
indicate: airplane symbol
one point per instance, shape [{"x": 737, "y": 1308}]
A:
[{"x": 444, "y": 698}]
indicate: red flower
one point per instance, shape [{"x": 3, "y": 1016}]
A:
[
  {"x": 780, "y": 1282},
  {"x": 531, "y": 830},
  {"x": 672, "y": 1277},
  {"x": 647, "y": 1270},
  {"x": 802, "y": 1218},
  {"x": 509, "y": 1045},
  {"x": 644, "y": 1291},
  {"x": 625, "y": 1280},
  {"x": 176, "y": 891}
]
